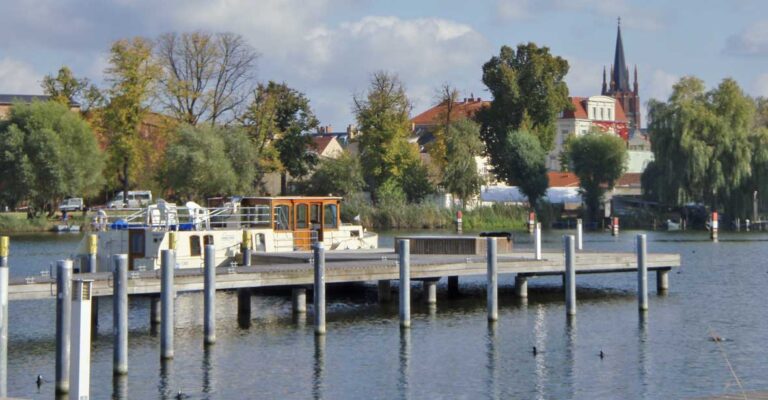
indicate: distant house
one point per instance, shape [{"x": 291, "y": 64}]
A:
[
  {"x": 423, "y": 123},
  {"x": 7, "y": 101},
  {"x": 327, "y": 146}
]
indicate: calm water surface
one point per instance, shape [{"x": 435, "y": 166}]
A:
[{"x": 451, "y": 352}]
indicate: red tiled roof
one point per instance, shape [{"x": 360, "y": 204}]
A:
[
  {"x": 630, "y": 179},
  {"x": 562, "y": 179},
  {"x": 321, "y": 142},
  {"x": 463, "y": 109},
  {"x": 580, "y": 112}
]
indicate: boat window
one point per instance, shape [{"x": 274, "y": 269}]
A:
[
  {"x": 257, "y": 215},
  {"x": 314, "y": 215},
  {"x": 194, "y": 245},
  {"x": 207, "y": 239},
  {"x": 282, "y": 218},
  {"x": 301, "y": 216},
  {"x": 330, "y": 216}
]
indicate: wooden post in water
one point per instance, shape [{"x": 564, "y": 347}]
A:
[
  {"x": 209, "y": 296},
  {"x": 493, "y": 283},
  {"x": 63, "y": 323},
  {"x": 570, "y": 276},
  {"x": 405, "y": 283},
  {"x": 538, "y": 240},
  {"x": 642, "y": 274},
  {"x": 579, "y": 235},
  {"x": 167, "y": 264},
  {"x": 120, "y": 314},
  {"x": 4, "y": 270},
  {"x": 319, "y": 289}
]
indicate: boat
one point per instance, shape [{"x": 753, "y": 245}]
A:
[
  {"x": 267, "y": 224},
  {"x": 672, "y": 225},
  {"x": 64, "y": 228}
]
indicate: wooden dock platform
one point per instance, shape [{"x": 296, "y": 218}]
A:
[{"x": 295, "y": 269}]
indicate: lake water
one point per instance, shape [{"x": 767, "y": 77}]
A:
[{"x": 450, "y": 352}]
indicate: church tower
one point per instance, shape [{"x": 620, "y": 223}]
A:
[{"x": 619, "y": 87}]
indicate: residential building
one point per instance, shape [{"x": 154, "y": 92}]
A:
[
  {"x": 7, "y": 101},
  {"x": 327, "y": 146}
]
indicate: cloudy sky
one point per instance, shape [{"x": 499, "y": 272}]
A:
[{"x": 329, "y": 48}]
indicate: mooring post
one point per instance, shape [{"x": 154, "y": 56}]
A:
[
  {"x": 714, "y": 227},
  {"x": 299, "y": 300},
  {"x": 521, "y": 286},
  {"x": 642, "y": 273},
  {"x": 662, "y": 280},
  {"x": 120, "y": 313},
  {"x": 167, "y": 295},
  {"x": 385, "y": 291},
  {"x": 92, "y": 266},
  {"x": 63, "y": 323},
  {"x": 430, "y": 291},
  {"x": 4, "y": 242},
  {"x": 80, "y": 379},
  {"x": 209, "y": 296},
  {"x": 738, "y": 224},
  {"x": 493, "y": 283},
  {"x": 538, "y": 240},
  {"x": 615, "y": 226},
  {"x": 319, "y": 289},
  {"x": 405, "y": 283},
  {"x": 245, "y": 248},
  {"x": 459, "y": 224},
  {"x": 579, "y": 235},
  {"x": 570, "y": 276},
  {"x": 531, "y": 221}
]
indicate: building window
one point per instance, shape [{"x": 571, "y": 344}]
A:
[
  {"x": 594, "y": 112},
  {"x": 602, "y": 116}
]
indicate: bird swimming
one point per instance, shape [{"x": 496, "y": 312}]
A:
[
  {"x": 535, "y": 351},
  {"x": 39, "y": 381},
  {"x": 602, "y": 355}
]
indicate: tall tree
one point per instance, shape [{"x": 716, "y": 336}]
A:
[
  {"x": 132, "y": 74},
  {"x": 382, "y": 114},
  {"x": 47, "y": 152},
  {"x": 447, "y": 97},
  {"x": 523, "y": 164},
  {"x": 462, "y": 145},
  {"x": 206, "y": 76},
  {"x": 340, "y": 176},
  {"x": 66, "y": 88},
  {"x": 598, "y": 159}
]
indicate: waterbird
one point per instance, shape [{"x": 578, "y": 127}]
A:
[
  {"x": 534, "y": 351},
  {"x": 39, "y": 381},
  {"x": 181, "y": 395},
  {"x": 602, "y": 354}
]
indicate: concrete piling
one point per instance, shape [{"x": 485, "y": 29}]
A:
[
  {"x": 493, "y": 283},
  {"x": 405, "y": 283},
  {"x": 319, "y": 289},
  {"x": 4, "y": 271},
  {"x": 430, "y": 291},
  {"x": 537, "y": 234},
  {"x": 642, "y": 273},
  {"x": 209, "y": 296},
  {"x": 385, "y": 291},
  {"x": 521, "y": 286},
  {"x": 80, "y": 378},
  {"x": 245, "y": 248},
  {"x": 662, "y": 280},
  {"x": 91, "y": 265},
  {"x": 167, "y": 295},
  {"x": 63, "y": 323},
  {"x": 154, "y": 310},
  {"x": 120, "y": 314},
  {"x": 579, "y": 235},
  {"x": 299, "y": 300},
  {"x": 570, "y": 275}
]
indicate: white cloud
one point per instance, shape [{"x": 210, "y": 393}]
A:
[
  {"x": 752, "y": 41},
  {"x": 636, "y": 17},
  {"x": 18, "y": 78}
]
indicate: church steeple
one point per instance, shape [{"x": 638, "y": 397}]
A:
[
  {"x": 620, "y": 70},
  {"x": 605, "y": 86}
]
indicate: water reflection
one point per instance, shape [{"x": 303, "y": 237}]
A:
[
  {"x": 319, "y": 367},
  {"x": 643, "y": 354},
  {"x": 405, "y": 361},
  {"x": 570, "y": 350},
  {"x": 207, "y": 368},
  {"x": 539, "y": 339},
  {"x": 164, "y": 388},
  {"x": 493, "y": 361},
  {"x": 120, "y": 387}
]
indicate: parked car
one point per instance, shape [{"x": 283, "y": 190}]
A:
[
  {"x": 136, "y": 199},
  {"x": 72, "y": 204}
]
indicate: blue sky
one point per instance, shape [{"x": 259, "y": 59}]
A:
[{"x": 329, "y": 48}]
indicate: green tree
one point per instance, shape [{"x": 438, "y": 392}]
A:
[
  {"x": 243, "y": 159},
  {"x": 523, "y": 165},
  {"x": 132, "y": 74},
  {"x": 382, "y": 114},
  {"x": 526, "y": 85},
  {"x": 340, "y": 176},
  {"x": 701, "y": 143},
  {"x": 64, "y": 88},
  {"x": 47, "y": 152},
  {"x": 198, "y": 165},
  {"x": 415, "y": 182},
  {"x": 598, "y": 159},
  {"x": 462, "y": 145},
  {"x": 447, "y": 97}
]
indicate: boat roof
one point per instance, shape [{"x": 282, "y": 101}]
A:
[{"x": 291, "y": 197}]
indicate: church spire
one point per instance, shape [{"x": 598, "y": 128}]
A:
[
  {"x": 605, "y": 87},
  {"x": 620, "y": 70},
  {"x": 635, "y": 85}
]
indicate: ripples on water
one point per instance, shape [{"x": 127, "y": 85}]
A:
[{"x": 450, "y": 351}]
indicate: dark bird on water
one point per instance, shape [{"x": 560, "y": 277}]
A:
[
  {"x": 602, "y": 355},
  {"x": 535, "y": 351},
  {"x": 40, "y": 381},
  {"x": 181, "y": 395}
]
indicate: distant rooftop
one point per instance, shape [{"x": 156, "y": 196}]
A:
[{"x": 8, "y": 99}]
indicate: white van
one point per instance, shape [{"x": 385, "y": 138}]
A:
[{"x": 136, "y": 199}]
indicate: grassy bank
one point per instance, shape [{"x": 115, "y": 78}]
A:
[{"x": 17, "y": 222}]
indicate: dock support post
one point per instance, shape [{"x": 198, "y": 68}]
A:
[
  {"x": 385, "y": 291},
  {"x": 538, "y": 240},
  {"x": 246, "y": 248},
  {"x": 299, "y": 300},
  {"x": 63, "y": 323},
  {"x": 570, "y": 276},
  {"x": 154, "y": 310},
  {"x": 209, "y": 296},
  {"x": 430, "y": 291},
  {"x": 4, "y": 315},
  {"x": 244, "y": 308},
  {"x": 642, "y": 273},
  {"x": 493, "y": 283},
  {"x": 579, "y": 235},
  {"x": 453, "y": 286},
  {"x": 92, "y": 266},
  {"x": 521, "y": 286},
  {"x": 319, "y": 289},
  {"x": 405, "y": 283},
  {"x": 80, "y": 379},
  {"x": 167, "y": 263},
  {"x": 120, "y": 314},
  {"x": 662, "y": 280}
]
